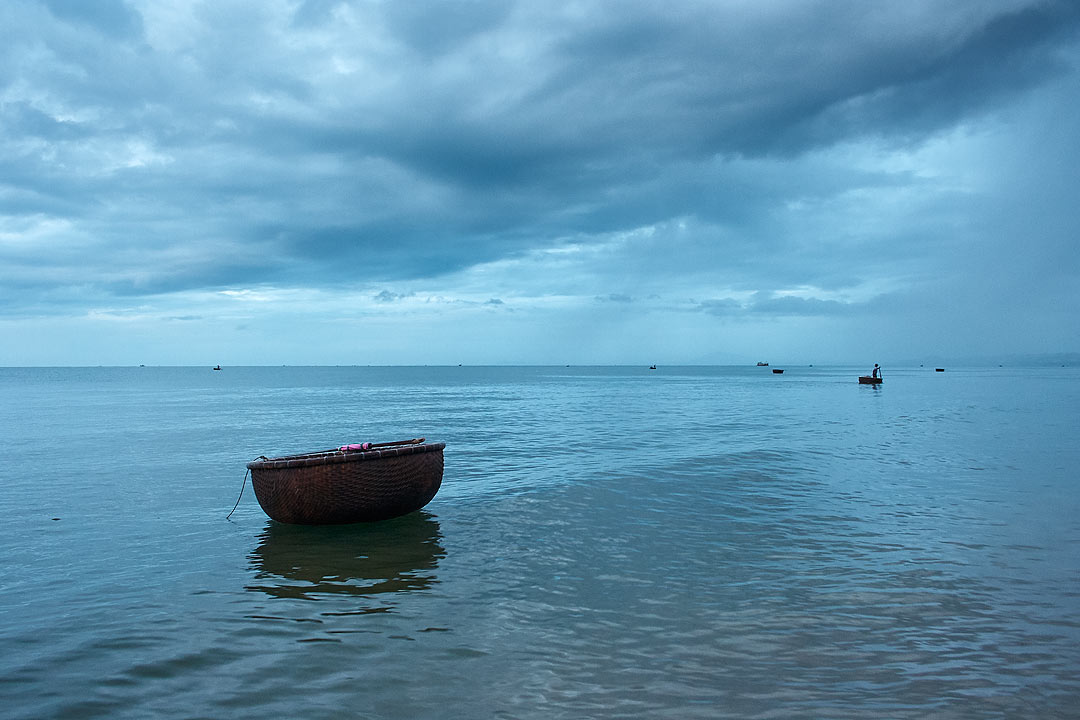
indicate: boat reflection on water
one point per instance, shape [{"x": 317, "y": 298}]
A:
[{"x": 314, "y": 562}]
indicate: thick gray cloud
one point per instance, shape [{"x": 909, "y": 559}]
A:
[{"x": 725, "y": 160}]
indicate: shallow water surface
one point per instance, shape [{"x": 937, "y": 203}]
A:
[{"x": 608, "y": 542}]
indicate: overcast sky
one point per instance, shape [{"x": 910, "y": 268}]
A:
[{"x": 491, "y": 181}]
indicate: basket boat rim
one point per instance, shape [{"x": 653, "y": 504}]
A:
[{"x": 333, "y": 457}]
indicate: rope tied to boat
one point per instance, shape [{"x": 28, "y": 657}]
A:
[{"x": 242, "y": 486}]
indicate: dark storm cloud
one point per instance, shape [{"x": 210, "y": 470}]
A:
[
  {"x": 112, "y": 18},
  {"x": 210, "y": 146},
  {"x": 388, "y": 297}
]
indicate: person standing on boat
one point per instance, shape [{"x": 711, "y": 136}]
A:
[{"x": 877, "y": 371}]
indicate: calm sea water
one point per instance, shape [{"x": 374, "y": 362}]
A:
[{"x": 608, "y": 542}]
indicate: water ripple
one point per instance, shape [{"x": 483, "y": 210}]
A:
[{"x": 608, "y": 542}]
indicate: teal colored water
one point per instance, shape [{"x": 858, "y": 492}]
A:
[{"x": 608, "y": 542}]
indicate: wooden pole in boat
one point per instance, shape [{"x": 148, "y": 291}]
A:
[
  {"x": 414, "y": 441},
  {"x": 364, "y": 447}
]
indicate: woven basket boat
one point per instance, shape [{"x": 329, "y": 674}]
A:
[{"x": 348, "y": 486}]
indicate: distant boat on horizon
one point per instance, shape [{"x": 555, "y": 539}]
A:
[
  {"x": 216, "y": 367},
  {"x": 762, "y": 364}
]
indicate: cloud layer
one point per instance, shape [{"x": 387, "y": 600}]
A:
[{"x": 188, "y": 178}]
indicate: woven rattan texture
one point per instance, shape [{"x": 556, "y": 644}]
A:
[{"x": 335, "y": 488}]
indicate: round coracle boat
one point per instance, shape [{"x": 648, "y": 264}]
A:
[{"x": 354, "y": 483}]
